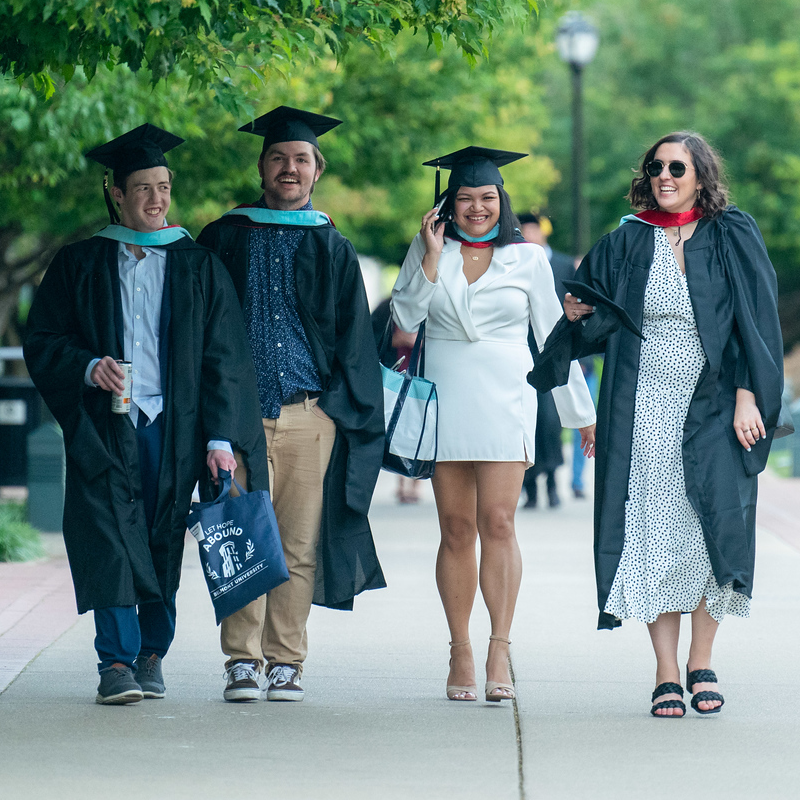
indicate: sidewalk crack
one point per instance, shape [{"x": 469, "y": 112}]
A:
[{"x": 518, "y": 733}]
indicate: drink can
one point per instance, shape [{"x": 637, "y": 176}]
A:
[{"x": 122, "y": 405}]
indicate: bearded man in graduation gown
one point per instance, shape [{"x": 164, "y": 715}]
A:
[
  {"x": 147, "y": 294},
  {"x": 300, "y": 285}
]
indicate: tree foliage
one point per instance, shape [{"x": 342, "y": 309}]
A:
[
  {"x": 721, "y": 69},
  {"x": 213, "y": 40},
  {"x": 397, "y": 113},
  {"x": 727, "y": 70}
]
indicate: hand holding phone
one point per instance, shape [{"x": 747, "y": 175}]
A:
[
  {"x": 438, "y": 208},
  {"x": 432, "y": 230}
]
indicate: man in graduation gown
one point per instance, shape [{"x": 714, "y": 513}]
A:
[
  {"x": 733, "y": 289},
  {"x": 147, "y": 294},
  {"x": 300, "y": 285}
]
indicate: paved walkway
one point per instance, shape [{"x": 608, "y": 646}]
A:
[{"x": 375, "y": 721}]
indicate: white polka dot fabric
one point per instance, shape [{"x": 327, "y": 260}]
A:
[{"x": 664, "y": 565}]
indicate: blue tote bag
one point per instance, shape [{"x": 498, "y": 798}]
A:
[
  {"x": 411, "y": 415},
  {"x": 240, "y": 548}
]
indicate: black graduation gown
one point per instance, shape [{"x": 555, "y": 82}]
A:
[
  {"x": 334, "y": 312},
  {"x": 563, "y": 267},
  {"x": 549, "y": 452},
  {"x": 733, "y": 290},
  {"x": 209, "y": 389}
]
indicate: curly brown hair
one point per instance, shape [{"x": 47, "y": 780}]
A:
[{"x": 713, "y": 197}]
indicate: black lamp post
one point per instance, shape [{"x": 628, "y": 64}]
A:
[{"x": 577, "y": 40}]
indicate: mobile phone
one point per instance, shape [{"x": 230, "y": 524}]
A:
[{"x": 446, "y": 218}]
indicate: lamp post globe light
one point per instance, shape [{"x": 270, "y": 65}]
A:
[{"x": 576, "y": 41}]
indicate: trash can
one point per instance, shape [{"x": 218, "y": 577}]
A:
[
  {"x": 46, "y": 477},
  {"x": 20, "y": 413}
]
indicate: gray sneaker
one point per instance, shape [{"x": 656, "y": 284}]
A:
[
  {"x": 283, "y": 683},
  {"x": 149, "y": 676},
  {"x": 242, "y": 682},
  {"x": 118, "y": 686}
]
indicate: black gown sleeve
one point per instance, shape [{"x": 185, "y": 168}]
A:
[
  {"x": 56, "y": 352},
  {"x": 570, "y": 340},
  {"x": 229, "y": 402},
  {"x": 353, "y": 397},
  {"x": 755, "y": 299}
]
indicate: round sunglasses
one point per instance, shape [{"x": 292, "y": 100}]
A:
[{"x": 676, "y": 168}]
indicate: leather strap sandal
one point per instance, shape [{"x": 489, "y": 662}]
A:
[
  {"x": 461, "y": 692},
  {"x": 492, "y": 689},
  {"x": 660, "y": 691},
  {"x": 703, "y": 676}
]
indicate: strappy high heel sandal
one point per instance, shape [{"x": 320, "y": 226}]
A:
[
  {"x": 492, "y": 687},
  {"x": 703, "y": 676},
  {"x": 454, "y": 691}
]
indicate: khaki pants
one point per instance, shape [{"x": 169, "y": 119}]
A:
[{"x": 272, "y": 629}]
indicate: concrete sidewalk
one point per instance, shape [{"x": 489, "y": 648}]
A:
[{"x": 375, "y": 721}]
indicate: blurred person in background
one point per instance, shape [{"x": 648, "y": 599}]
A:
[{"x": 537, "y": 228}]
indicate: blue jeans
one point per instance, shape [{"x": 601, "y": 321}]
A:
[
  {"x": 578, "y": 458},
  {"x": 122, "y": 632}
]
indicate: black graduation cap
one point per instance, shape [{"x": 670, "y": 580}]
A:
[
  {"x": 141, "y": 148},
  {"x": 606, "y": 306},
  {"x": 286, "y": 124},
  {"x": 473, "y": 166}
]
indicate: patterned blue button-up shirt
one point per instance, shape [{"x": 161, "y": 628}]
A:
[{"x": 281, "y": 351}]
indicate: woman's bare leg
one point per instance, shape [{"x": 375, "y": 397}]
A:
[
  {"x": 704, "y": 630},
  {"x": 456, "y": 564},
  {"x": 498, "y": 488},
  {"x": 664, "y": 634}
]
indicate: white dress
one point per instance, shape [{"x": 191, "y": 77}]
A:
[
  {"x": 477, "y": 351},
  {"x": 664, "y": 564}
]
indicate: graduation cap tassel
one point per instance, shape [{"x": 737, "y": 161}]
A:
[
  {"x": 112, "y": 212},
  {"x": 436, "y": 190}
]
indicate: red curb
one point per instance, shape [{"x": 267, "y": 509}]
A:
[{"x": 37, "y": 604}]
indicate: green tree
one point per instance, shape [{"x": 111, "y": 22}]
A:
[
  {"x": 724, "y": 69},
  {"x": 196, "y": 66},
  {"x": 397, "y": 114},
  {"x": 212, "y": 40}
]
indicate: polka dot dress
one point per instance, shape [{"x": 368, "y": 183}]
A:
[{"x": 664, "y": 564}]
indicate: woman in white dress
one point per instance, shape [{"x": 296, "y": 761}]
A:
[
  {"x": 686, "y": 416},
  {"x": 480, "y": 286}
]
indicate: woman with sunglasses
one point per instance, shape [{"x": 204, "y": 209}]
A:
[
  {"x": 480, "y": 286},
  {"x": 686, "y": 416}
]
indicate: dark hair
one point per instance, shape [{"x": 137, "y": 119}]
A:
[
  {"x": 713, "y": 196},
  {"x": 507, "y": 221},
  {"x": 120, "y": 178},
  {"x": 528, "y": 218}
]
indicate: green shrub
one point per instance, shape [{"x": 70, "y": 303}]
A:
[{"x": 18, "y": 540}]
